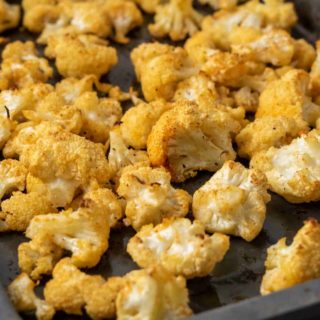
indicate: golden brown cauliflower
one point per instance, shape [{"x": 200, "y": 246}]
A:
[
  {"x": 315, "y": 74},
  {"x": 189, "y": 138},
  {"x": 177, "y": 19},
  {"x": 267, "y": 132},
  {"x": 180, "y": 246},
  {"x": 80, "y": 55},
  {"x": 160, "y": 68},
  {"x": 293, "y": 170},
  {"x": 288, "y": 97},
  {"x": 220, "y": 4},
  {"x": 153, "y": 293},
  {"x": 137, "y": 122},
  {"x": 84, "y": 232},
  {"x": 21, "y": 65},
  {"x": 289, "y": 265},
  {"x": 304, "y": 55},
  {"x": 17, "y": 211},
  {"x": 233, "y": 201},
  {"x": 6, "y": 128},
  {"x": 9, "y": 16},
  {"x": 150, "y": 197},
  {"x": 71, "y": 291},
  {"x": 21, "y": 293}
]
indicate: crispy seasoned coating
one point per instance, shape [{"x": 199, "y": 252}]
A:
[
  {"x": 315, "y": 74},
  {"x": 17, "y": 211},
  {"x": 81, "y": 55},
  {"x": 267, "y": 132},
  {"x": 289, "y": 265},
  {"x": 153, "y": 293},
  {"x": 21, "y": 293},
  {"x": 293, "y": 170},
  {"x": 233, "y": 201},
  {"x": 84, "y": 232},
  {"x": 160, "y": 68},
  {"x": 304, "y": 55},
  {"x": 220, "y": 4},
  {"x": 71, "y": 291},
  {"x": 288, "y": 97},
  {"x": 150, "y": 197},
  {"x": 9, "y": 15},
  {"x": 176, "y": 19},
  {"x": 180, "y": 246},
  {"x": 137, "y": 122},
  {"x": 189, "y": 138}
]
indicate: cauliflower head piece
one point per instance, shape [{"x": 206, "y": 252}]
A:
[
  {"x": 189, "y": 138},
  {"x": 233, "y": 201},
  {"x": 180, "y": 246},
  {"x": 315, "y": 74},
  {"x": 289, "y": 265},
  {"x": 150, "y": 197},
  {"x": 266, "y": 132},
  {"x": 220, "y": 4},
  {"x": 9, "y": 16},
  {"x": 71, "y": 291},
  {"x": 153, "y": 293},
  {"x": 21, "y": 293},
  {"x": 292, "y": 170}
]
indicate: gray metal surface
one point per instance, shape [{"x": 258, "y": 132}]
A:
[{"x": 238, "y": 277}]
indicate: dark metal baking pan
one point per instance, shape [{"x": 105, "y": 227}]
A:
[{"x": 232, "y": 290}]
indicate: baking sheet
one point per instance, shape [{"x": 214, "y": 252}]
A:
[{"x": 238, "y": 277}]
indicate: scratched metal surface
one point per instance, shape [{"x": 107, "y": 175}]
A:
[{"x": 238, "y": 276}]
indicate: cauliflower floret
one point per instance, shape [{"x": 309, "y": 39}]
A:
[
  {"x": 247, "y": 98},
  {"x": 304, "y": 55},
  {"x": 137, "y": 122},
  {"x": 180, "y": 246},
  {"x": 64, "y": 162},
  {"x": 99, "y": 116},
  {"x": 233, "y": 201},
  {"x": 315, "y": 74},
  {"x": 161, "y": 70},
  {"x": 84, "y": 232},
  {"x": 189, "y": 138},
  {"x": 71, "y": 291},
  {"x": 267, "y": 132},
  {"x": 288, "y": 97},
  {"x": 21, "y": 293},
  {"x": 220, "y": 4},
  {"x": 21, "y": 65},
  {"x": 289, "y": 265},
  {"x": 6, "y": 128},
  {"x": 177, "y": 19},
  {"x": 149, "y": 6},
  {"x": 78, "y": 56},
  {"x": 153, "y": 293},
  {"x": 12, "y": 176},
  {"x": 293, "y": 171},
  {"x": 150, "y": 197},
  {"x": 20, "y": 208},
  {"x": 9, "y": 16}
]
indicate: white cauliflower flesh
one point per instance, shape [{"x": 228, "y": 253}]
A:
[
  {"x": 180, "y": 246},
  {"x": 289, "y": 265},
  {"x": 177, "y": 19},
  {"x": 21, "y": 293},
  {"x": 293, "y": 171},
  {"x": 9, "y": 16},
  {"x": 189, "y": 138},
  {"x": 153, "y": 293},
  {"x": 150, "y": 197},
  {"x": 233, "y": 201}
]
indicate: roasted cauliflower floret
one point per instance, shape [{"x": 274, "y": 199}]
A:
[
  {"x": 6, "y": 128},
  {"x": 21, "y": 293},
  {"x": 188, "y": 138},
  {"x": 149, "y": 6},
  {"x": 78, "y": 56},
  {"x": 247, "y": 98},
  {"x": 84, "y": 232},
  {"x": 153, "y": 293},
  {"x": 17, "y": 211},
  {"x": 71, "y": 291},
  {"x": 315, "y": 74},
  {"x": 289, "y": 265},
  {"x": 163, "y": 68},
  {"x": 150, "y": 197},
  {"x": 180, "y": 246},
  {"x": 288, "y": 97},
  {"x": 233, "y": 201},
  {"x": 99, "y": 116},
  {"x": 293, "y": 170},
  {"x": 9, "y": 16},
  {"x": 304, "y": 55},
  {"x": 137, "y": 122},
  {"x": 267, "y": 132},
  {"x": 177, "y": 19},
  {"x": 21, "y": 65},
  {"x": 220, "y": 4}
]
